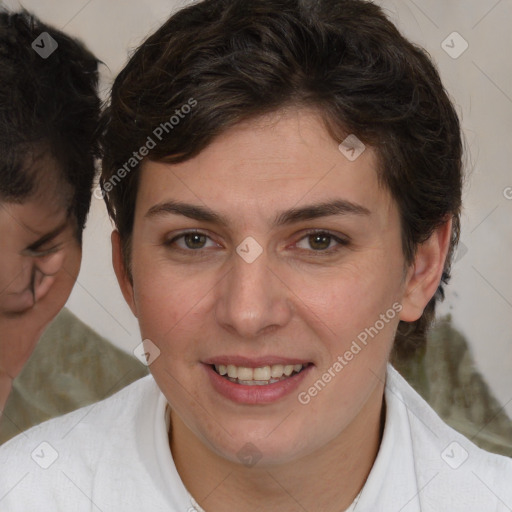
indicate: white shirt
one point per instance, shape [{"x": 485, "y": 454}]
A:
[{"x": 115, "y": 456}]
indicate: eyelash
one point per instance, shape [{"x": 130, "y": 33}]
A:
[
  {"x": 42, "y": 254},
  {"x": 341, "y": 242}
]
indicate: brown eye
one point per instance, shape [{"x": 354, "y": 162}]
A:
[
  {"x": 191, "y": 241},
  {"x": 319, "y": 241},
  {"x": 195, "y": 240}
]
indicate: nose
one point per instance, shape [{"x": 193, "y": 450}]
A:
[
  {"x": 50, "y": 264},
  {"x": 252, "y": 300},
  {"x": 45, "y": 270}
]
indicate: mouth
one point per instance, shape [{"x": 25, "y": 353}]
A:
[
  {"x": 260, "y": 376},
  {"x": 256, "y": 380}
]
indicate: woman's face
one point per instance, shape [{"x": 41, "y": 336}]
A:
[
  {"x": 266, "y": 256},
  {"x": 39, "y": 262}
]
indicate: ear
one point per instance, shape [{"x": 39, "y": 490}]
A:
[
  {"x": 125, "y": 283},
  {"x": 424, "y": 275}
]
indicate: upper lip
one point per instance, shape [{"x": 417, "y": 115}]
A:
[{"x": 254, "y": 362}]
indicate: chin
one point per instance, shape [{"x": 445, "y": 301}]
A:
[{"x": 248, "y": 448}]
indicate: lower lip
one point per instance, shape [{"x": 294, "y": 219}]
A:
[{"x": 252, "y": 395}]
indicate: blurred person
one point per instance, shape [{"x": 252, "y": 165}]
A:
[
  {"x": 49, "y": 110},
  {"x": 285, "y": 180}
]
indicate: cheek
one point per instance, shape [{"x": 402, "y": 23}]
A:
[
  {"x": 72, "y": 260},
  {"x": 167, "y": 301},
  {"x": 351, "y": 296},
  {"x": 355, "y": 321},
  {"x": 354, "y": 312}
]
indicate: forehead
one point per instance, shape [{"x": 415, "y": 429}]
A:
[{"x": 274, "y": 162}]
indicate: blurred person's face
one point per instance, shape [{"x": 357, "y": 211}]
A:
[
  {"x": 39, "y": 261},
  {"x": 276, "y": 321}
]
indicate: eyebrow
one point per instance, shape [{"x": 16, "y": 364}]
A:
[
  {"x": 315, "y": 211},
  {"x": 47, "y": 237},
  {"x": 308, "y": 212}
]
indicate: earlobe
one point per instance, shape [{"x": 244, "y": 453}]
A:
[
  {"x": 123, "y": 279},
  {"x": 424, "y": 275}
]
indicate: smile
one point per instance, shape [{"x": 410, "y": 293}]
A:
[{"x": 260, "y": 376}]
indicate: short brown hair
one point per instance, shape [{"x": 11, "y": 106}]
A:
[{"x": 239, "y": 60}]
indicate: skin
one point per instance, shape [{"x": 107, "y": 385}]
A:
[
  {"x": 292, "y": 301},
  {"x": 39, "y": 262}
]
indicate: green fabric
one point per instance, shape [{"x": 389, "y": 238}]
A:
[
  {"x": 445, "y": 375},
  {"x": 71, "y": 367}
]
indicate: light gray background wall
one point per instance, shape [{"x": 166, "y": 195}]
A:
[{"x": 479, "y": 80}]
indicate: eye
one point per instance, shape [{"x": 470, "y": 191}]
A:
[
  {"x": 42, "y": 253},
  {"x": 321, "y": 241},
  {"x": 192, "y": 240}
]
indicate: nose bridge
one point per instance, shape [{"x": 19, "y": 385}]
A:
[{"x": 252, "y": 299}]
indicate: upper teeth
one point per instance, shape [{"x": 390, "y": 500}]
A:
[{"x": 263, "y": 373}]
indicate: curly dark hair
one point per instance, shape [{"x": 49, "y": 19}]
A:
[
  {"x": 47, "y": 107},
  {"x": 344, "y": 58}
]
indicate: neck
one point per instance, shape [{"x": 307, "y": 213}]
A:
[{"x": 327, "y": 480}]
